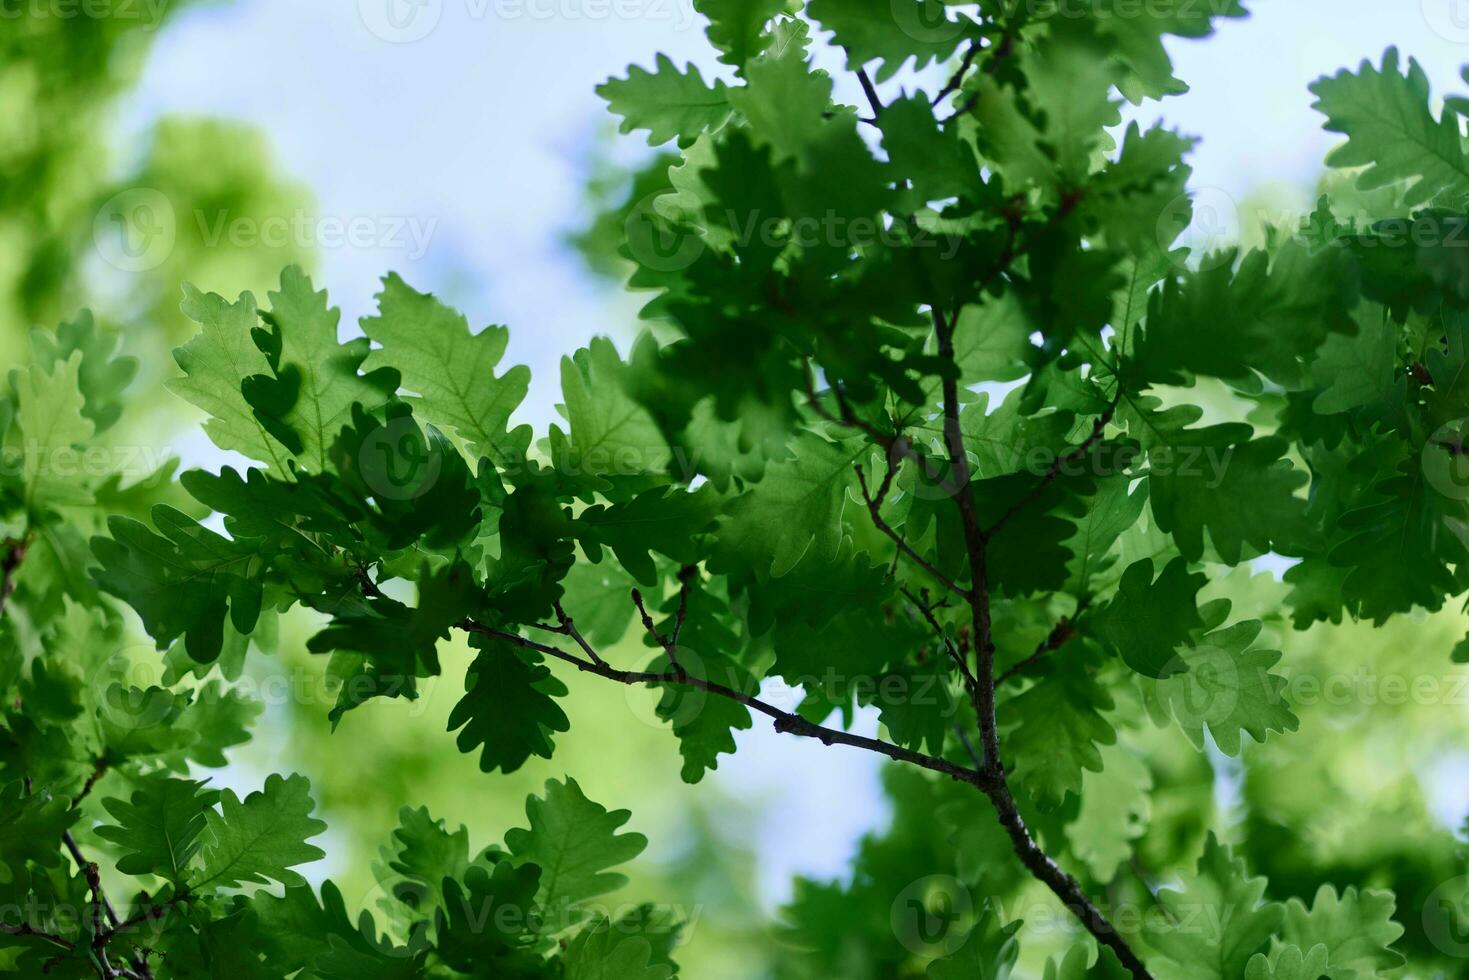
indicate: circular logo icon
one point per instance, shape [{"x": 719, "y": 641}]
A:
[
  {"x": 120, "y": 684},
  {"x": 930, "y": 917},
  {"x": 135, "y": 230},
  {"x": 400, "y": 21},
  {"x": 657, "y": 242},
  {"x": 925, "y": 20},
  {"x": 1202, "y": 687},
  {"x": 1205, "y": 222},
  {"x": 668, "y": 704},
  {"x": 1445, "y": 459},
  {"x": 1449, "y": 19},
  {"x": 1446, "y": 917},
  {"x": 397, "y": 462},
  {"x": 403, "y": 905}
]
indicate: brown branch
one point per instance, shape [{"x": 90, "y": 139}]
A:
[
  {"x": 150, "y": 913},
  {"x": 685, "y": 576},
  {"x": 868, "y": 90},
  {"x": 847, "y": 417},
  {"x": 569, "y": 628},
  {"x": 25, "y": 929},
  {"x": 15, "y": 553},
  {"x": 1002, "y": 48},
  {"x": 975, "y": 546},
  {"x": 99, "y": 903},
  {"x": 784, "y": 721},
  {"x": 82, "y": 863},
  {"x": 976, "y": 542}
]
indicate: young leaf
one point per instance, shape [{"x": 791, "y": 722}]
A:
[
  {"x": 450, "y": 371},
  {"x": 667, "y": 103}
]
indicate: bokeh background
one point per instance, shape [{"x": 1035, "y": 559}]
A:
[{"x": 461, "y": 144}]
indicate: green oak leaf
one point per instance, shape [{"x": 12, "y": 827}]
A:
[
  {"x": 1148, "y": 620},
  {"x": 161, "y": 827},
  {"x": 1357, "y": 929},
  {"x": 574, "y": 841},
  {"x": 260, "y": 838},
  {"x": 669, "y": 104},
  {"x": 449, "y": 371},
  {"x": 1229, "y": 688},
  {"x": 509, "y": 710},
  {"x": 1215, "y": 921}
]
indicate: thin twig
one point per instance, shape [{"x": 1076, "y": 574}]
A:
[
  {"x": 98, "y": 771},
  {"x": 976, "y": 543},
  {"x": 15, "y": 553},
  {"x": 868, "y": 90},
  {"x": 847, "y": 417},
  {"x": 925, "y": 609},
  {"x": 569, "y": 627},
  {"x": 24, "y": 929},
  {"x": 1099, "y": 428},
  {"x": 1060, "y": 635},
  {"x": 99, "y": 932},
  {"x": 685, "y": 576},
  {"x": 1002, "y": 48},
  {"x": 958, "y": 77},
  {"x": 83, "y": 863},
  {"x": 874, "y": 507}
]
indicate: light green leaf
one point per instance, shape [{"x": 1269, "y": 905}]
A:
[
  {"x": 667, "y": 103},
  {"x": 449, "y": 371}
]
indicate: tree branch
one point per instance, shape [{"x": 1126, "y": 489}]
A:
[
  {"x": 98, "y": 771},
  {"x": 868, "y": 90},
  {"x": 976, "y": 542},
  {"x": 25, "y": 929},
  {"x": 958, "y": 77},
  {"x": 784, "y": 721},
  {"x": 847, "y": 417},
  {"x": 569, "y": 628}
]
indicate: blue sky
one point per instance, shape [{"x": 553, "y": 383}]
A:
[{"x": 474, "y": 118}]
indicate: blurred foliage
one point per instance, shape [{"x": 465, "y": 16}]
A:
[{"x": 89, "y": 219}]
